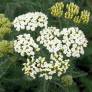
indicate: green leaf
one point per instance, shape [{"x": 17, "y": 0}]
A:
[
  {"x": 4, "y": 67},
  {"x": 87, "y": 82},
  {"x": 72, "y": 88}
]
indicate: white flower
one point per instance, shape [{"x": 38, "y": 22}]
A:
[
  {"x": 25, "y": 45},
  {"x": 46, "y": 69},
  {"x": 73, "y": 41},
  {"x": 30, "y": 21},
  {"x": 49, "y": 38}
]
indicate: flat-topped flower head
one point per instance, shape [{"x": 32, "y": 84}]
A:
[
  {"x": 5, "y": 26},
  {"x": 30, "y": 21},
  {"x": 84, "y": 17},
  {"x": 73, "y": 41},
  {"x": 6, "y": 47},
  {"x": 46, "y": 69},
  {"x": 25, "y": 45},
  {"x": 57, "y": 9},
  {"x": 72, "y": 8},
  {"x": 49, "y": 39}
]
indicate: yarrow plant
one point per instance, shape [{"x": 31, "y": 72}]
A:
[
  {"x": 48, "y": 50},
  {"x": 68, "y": 41},
  {"x": 43, "y": 49}
]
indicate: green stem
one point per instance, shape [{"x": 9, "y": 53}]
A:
[
  {"x": 67, "y": 89},
  {"x": 63, "y": 90},
  {"x": 60, "y": 24},
  {"x": 44, "y": 86}
]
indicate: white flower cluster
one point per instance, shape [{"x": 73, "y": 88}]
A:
[
  {"x": 25, "y": 45},
  {"x": 59, "y": 64},
  {"x": 69, "y": 41},
  {"x": 49, "y": 38},
  {"x": 30, "y": 21},
  {"x": 73, "y": 41},
  {"x": 47, "y": 70}
]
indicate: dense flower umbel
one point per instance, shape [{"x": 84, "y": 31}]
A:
[
  {"x": 30, "y": 21},
  {"x": 70, "y": 11},
  {"x": 85, "y": 16},
  {"x": 57, "y": 9},
  {"x": 6, "y": 47},
  {"x": 73, "y": 41},
  {"x": 5, "y": 25},
  {"x": 56, "y": 66},
  {"x": 25, "y": 45},
  {"x": 49, "y": 38}
]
